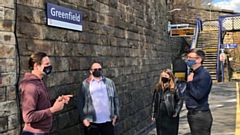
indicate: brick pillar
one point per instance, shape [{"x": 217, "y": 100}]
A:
[{"x": 8, "y": 105}]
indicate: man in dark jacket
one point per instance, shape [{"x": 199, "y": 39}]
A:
[
  {"x": 36, "y": 105},
  {"x": 98, "y": 104},
  {"x": 199, "y": 84}
]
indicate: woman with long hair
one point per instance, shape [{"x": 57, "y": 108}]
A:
[{"x": 166, "y": 104}]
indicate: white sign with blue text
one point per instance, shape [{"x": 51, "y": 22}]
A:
[
  {"x": 63, "y": 17},
  {"x": 230, "y": 45}
]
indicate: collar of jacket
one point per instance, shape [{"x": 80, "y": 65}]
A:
[
  {"x": 199, "y": 69},
  {"x": 90, "y": 78}
]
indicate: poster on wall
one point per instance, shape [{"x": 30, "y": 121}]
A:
[{"x": 62, "y": 17}]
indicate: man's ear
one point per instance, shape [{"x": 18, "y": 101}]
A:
[
  {"x": 199, "y": 60},
  {"x": 35, "y": 66}
]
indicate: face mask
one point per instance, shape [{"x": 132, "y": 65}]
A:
[
  {"x": 164, "y": 79},
  {"x": 97, "y": 73},
  {"x": 47, "y": 69},
  {"x": 190, "y": 63}
]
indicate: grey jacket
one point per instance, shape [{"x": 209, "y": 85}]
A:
[{"x": 85, "y": 105}]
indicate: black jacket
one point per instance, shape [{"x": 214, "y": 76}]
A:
[{"x": 173, "y": 101}]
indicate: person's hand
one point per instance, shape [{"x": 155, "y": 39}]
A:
[
  {"x": 58, "y": 105},
  {"x": 86, "y": 123},
  {"x": 175, "y": 115},
  {"x": 66, "y": 98},
  {"x": 153, "y": 119},
  {"x": 114, "y": 120},
  {"x": 190, "y": 77}
]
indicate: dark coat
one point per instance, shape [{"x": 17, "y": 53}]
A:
[{"x": 173, "y": 101}]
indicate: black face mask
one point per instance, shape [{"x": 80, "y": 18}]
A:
[
  {"x": 97, "y": 73},
  {"x": 47, "y": 69},
  {"x": 165, "y": 80}
]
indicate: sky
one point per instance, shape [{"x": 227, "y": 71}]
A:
[{"x": 228, "y": 4}]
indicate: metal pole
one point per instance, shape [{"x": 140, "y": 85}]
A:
[{"x": 222, "y": 71}]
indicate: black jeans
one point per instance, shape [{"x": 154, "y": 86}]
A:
[
  {"x": 200, "y": 122},
  {"x": 30, "y": 133},
  {"x": 100, "y": 129}
]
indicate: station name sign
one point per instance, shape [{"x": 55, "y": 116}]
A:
[
  {"x": 63, "y": 17},
  {"x": 185, "y": 32},
  {"x": 230, "y": 46}
]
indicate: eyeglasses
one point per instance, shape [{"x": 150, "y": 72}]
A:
[
  {"x": 99, "y": 69},
  {"x": 192, "y": 57}
]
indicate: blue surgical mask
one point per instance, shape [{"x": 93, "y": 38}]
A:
[{"x": 190, "y": 63}]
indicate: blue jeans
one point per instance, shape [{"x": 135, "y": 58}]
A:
[{"x": 30, "y": 133}]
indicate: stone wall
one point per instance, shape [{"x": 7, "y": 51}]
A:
[
  {"x": 8, "y": 104},
  {"x": 129, "y": 37},
  {"x": 189, "y": 14}
]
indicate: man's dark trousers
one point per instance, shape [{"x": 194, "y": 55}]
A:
[
  {"x": 102, "y": 129},
  {"x": 200, "y": 122}
]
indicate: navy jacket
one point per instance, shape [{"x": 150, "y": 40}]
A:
[{"x": 197, "y": 92}]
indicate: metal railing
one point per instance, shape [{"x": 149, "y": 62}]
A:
[
  {"x": 195, "y": 37},
  {"x": 197, "y": 30}
]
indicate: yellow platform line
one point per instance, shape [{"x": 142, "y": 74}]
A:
[{"x": 237, "y": 127}]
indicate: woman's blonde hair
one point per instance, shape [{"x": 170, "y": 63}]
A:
[{"x": 170, "y": 84}]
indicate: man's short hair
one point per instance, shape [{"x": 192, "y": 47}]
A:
[
  {"x": 36, "y": 58},
  {"x": 200, "y": 53},
  {"x": 100, "y": 63}
]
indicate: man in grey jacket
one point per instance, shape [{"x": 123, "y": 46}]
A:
[{"x": 98, "y": 104}]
